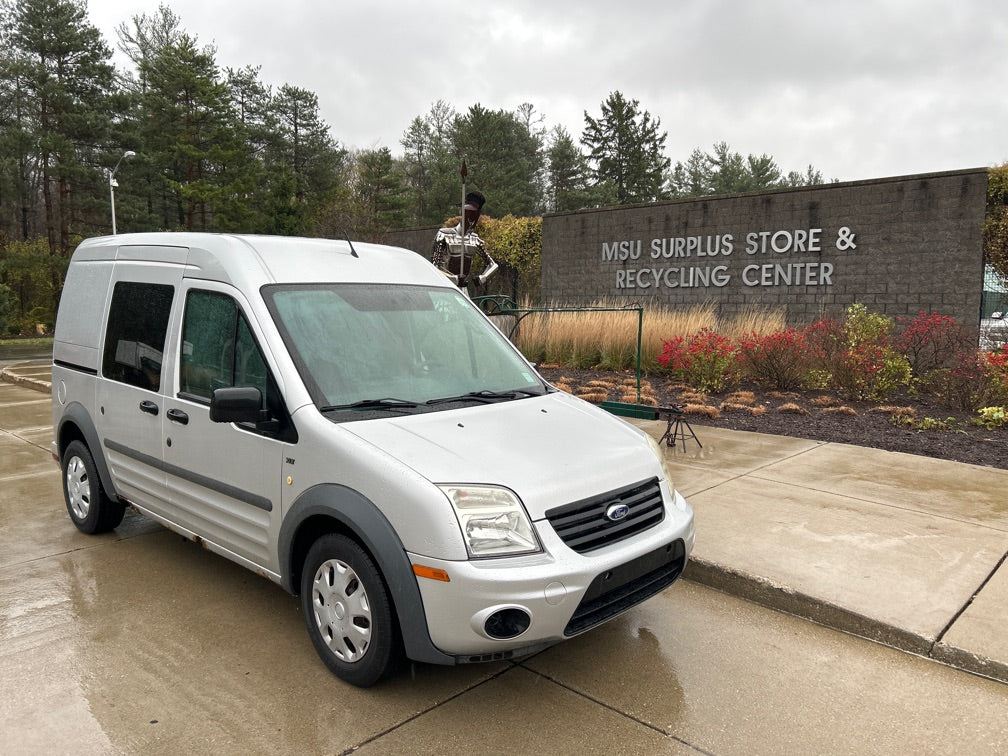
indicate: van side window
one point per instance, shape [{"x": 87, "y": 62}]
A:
[
  {"x": 136, "y": 333},
  {"x": 218, "y": 349}
]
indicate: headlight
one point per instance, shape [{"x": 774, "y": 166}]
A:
[
  {"x": 678, "y": 501},
  {"x": 656, "y": 448},
  {"x": 493, "y": 521}
]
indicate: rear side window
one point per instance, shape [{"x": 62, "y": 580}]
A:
[{"x": 136, "y": 333}]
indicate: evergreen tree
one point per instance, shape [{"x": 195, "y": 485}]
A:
[
  {"x": 149, "y": 36},
  {"x": 504, "y": 155},
  {"x": 811, "y": 177},
  {"x": 306, "y": 149},
  {"x": 691, "y": 179},
  {"x": 58, "y": 119},
  {"x": 418, "y": 165},
  {"x": 190, "y": 135},
  {"x": 266, "y": 207},
  {"x": 626, "y": 150},
  {"x": 504, "y": 159},
  {"x": 379, "y": 193},
  {"x": 727, "y": 170},
  {"x": 431, "y": 166},
  {"x": 724, "y": 171},
  {"x": 568, "y": 174},
  {"x": 533, "y": 125},
  {"x": 730, "y": 173},
  {"x": 764, "y": 173},
  {"x": 19, "y": 210}
]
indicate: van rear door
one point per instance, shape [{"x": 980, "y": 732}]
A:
[{"x": 130, "y": 386}]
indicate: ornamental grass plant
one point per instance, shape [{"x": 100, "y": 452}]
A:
[{"x": 603, "y": 336}]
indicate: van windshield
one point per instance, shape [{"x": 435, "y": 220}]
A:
[{"x": 380, "y": 349}]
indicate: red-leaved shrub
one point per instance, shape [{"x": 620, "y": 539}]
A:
[
  {"x": 781, "y": 359},
  {"x": 704, "y": 360}
]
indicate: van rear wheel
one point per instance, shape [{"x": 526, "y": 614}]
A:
[
  {"x": 90, "y": 508},
  {"x": 348, "y": 612}
]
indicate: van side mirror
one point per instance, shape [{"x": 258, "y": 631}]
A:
[{"x": 239, "y": 404}]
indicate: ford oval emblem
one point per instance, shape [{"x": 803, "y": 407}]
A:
[{"x": 617, "y": 512}]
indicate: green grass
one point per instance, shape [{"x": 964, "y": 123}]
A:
[{"x": 13, "y": 349}]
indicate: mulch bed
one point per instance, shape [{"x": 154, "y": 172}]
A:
[{"x": 926, "y": 428}]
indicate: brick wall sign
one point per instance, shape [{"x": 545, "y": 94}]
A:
[{"x": 897, "y": 245}]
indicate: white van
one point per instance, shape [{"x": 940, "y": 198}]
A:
[{"x": 341, "y": 419}]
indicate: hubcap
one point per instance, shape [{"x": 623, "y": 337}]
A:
[
  {"x": 342, "y": 610},
  {"x": 78, "y": 488}
]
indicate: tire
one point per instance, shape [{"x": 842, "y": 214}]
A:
[
  {"x": 350, "y": 618},
  {"x": 90, "y": 508}
]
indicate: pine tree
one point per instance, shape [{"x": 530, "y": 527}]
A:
[
  {"x": 432, "y": 166},
  {"x": 265, "y": 207},
  {"x": 692, "y": 179},
  {"x": 379, "y": 193},
  {"x": 190, "y": 135},
  {"x": 568, "y": 174},
  {"x": 306, "y": 147},
  {"x": 58, "y": 120},
  {"x": 504, "y": 159},
  {"x": 418, "y": 165},
  {"x": 626, "y": 151},
  {"x": 724, "y": 171}
]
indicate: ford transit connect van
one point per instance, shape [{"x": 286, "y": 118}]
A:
[{"x": 341, "y": 419}]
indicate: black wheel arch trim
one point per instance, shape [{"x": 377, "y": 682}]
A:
[
  {"x": 359, "y": 516},
  {"x": 77, "y": 414}
]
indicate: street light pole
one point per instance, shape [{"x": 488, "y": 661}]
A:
[{"x": 112, "y": 184}]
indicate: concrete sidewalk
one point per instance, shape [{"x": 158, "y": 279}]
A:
[{"x": 905, "y": 550}]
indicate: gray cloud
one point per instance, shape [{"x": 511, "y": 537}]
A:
[{"x": 859, "y": 89}]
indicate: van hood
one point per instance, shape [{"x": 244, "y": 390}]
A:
[{"x": 550, "y": 450}]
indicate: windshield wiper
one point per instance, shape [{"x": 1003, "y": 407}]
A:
[
  {"x": 483, "y": 396},
  {"x": 388, "y": 403}
]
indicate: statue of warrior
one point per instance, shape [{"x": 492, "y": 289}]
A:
[{"x": 454, "y": 248}]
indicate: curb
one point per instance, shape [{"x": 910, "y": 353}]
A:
[
  {"x": 765, "y": 592},
  {"x": 33, "y": 383},
  {"x": 970, "y": 662}
]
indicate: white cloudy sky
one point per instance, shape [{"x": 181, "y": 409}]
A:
[{"x": 858, "y": 88}]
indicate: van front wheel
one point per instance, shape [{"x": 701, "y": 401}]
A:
[
  {"x": 90, "y": 508},
  {"x": 348, "y": 612}
]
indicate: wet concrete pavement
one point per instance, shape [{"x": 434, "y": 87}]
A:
[
  {"x": 138, "y": 641},
  {"x": 902, "y": 549}
]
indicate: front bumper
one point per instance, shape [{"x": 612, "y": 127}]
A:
[{"x": 564, "y": 593}]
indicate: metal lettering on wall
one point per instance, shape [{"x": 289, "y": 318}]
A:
[{"x": 720, "y": 246}]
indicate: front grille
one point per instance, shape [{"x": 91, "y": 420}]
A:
[
  {"x": 583, "y": 525},
  {"x": 616, "y": 590}
]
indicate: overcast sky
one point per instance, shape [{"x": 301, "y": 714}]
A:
[{"x": 858, "y": 88}]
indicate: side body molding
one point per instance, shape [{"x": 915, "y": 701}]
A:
[
  {"x": 75, "y": 413},
  {"x": 362, "y": 519}
]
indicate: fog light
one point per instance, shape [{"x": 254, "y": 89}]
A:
[{"x": 507, "y": 623}]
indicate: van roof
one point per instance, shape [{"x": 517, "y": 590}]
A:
[{"x": 250, "y": 261}]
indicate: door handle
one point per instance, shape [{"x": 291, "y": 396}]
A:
[
  {"x": 178, "y": 416},
  {"x": 149, "y": 407}
]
